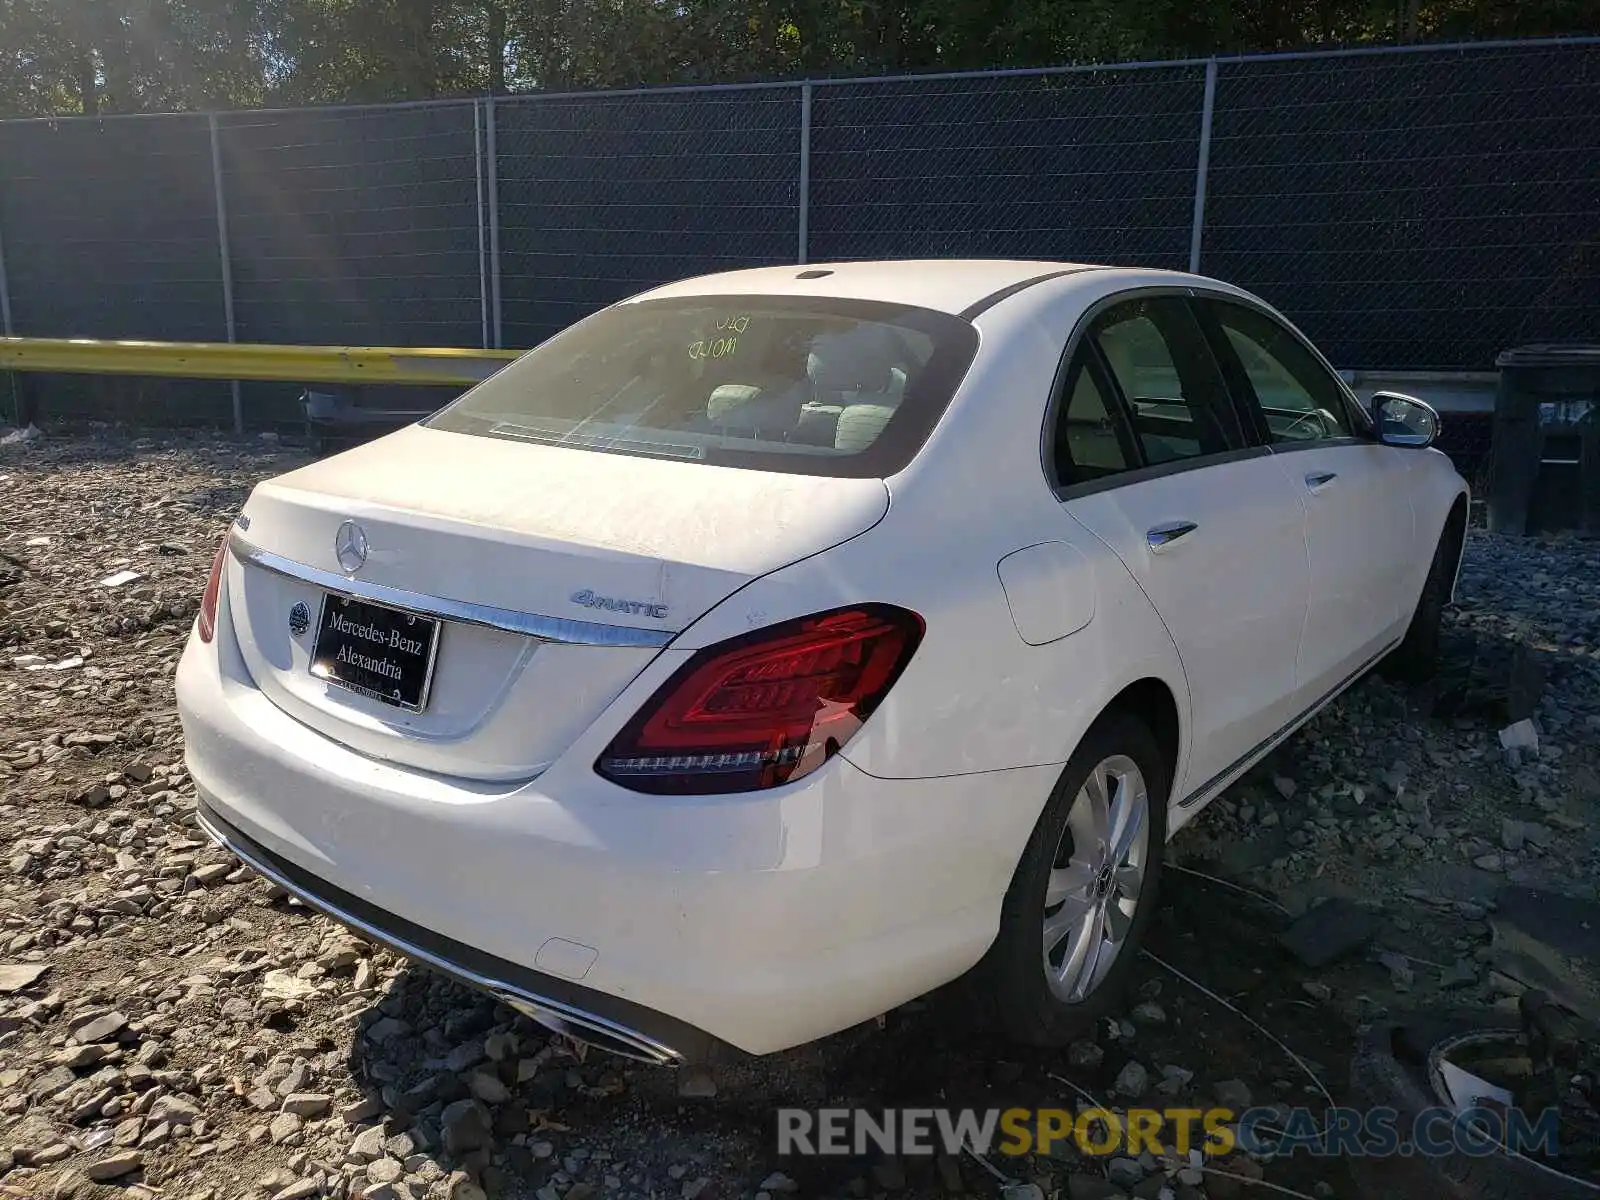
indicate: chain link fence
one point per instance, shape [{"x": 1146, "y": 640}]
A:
[
  {"x": 1092, "y": 166},
  {"x": 1411, "y": 208},
  {"x": 354, "y": 226},
  {"x": 602, "y": 196},
  {"x": 1416, "y": 210}
]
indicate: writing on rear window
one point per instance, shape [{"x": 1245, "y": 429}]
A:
[
  {"x": 721, "y": 347},
  {"x": 726, "y": 344}
]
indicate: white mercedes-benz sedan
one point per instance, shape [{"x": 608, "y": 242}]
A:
[{"x": 774, "y": 647}]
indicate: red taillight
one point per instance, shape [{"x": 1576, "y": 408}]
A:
[
  {"x": 767, "y": 707},
  {"x": 213, "y": 594}
]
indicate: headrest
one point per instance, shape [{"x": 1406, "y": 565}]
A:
[
  {"x": 854, "y": 361},
  {"x": 728, "y": 397}
]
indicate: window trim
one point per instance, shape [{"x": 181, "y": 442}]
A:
[
  {"x": 1246, "y": 402},
  {"x": 1099, "y": 372},
  {"x": 1146, "y": 471},
  {"x": 1144, "y": 474}
]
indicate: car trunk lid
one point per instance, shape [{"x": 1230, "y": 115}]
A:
[{"x": 533, "y": 583}]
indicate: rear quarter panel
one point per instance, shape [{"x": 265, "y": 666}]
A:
[{"x": 976, "y": 696}]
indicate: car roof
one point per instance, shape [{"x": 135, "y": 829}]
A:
[{"x": 945, "y": 284}]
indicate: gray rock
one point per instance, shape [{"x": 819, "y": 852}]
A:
[
  {"x": 52, "y": 1083},
  {"x": 386, "y": 1029},
  {"x": 1174, "y": 1079},
  {"x": 463, "y": 1126},
  {"x": 486, "y": 1086},
  {"x": 779, "y": 1182},
  {"x": 101, "y": 1028},
  {"x": 468, "y": 1054},
  {"x": 1233, "y": 1093},
  {"x": 361, "y": 1111},
  {"x": 114, "y": 1166},
  {"x": 1149, "y": 1013},
  {"x": 307, "y": 1104},
  {"x": 385, "y": 1170},
  {"x": 81, "y": 1056},
  {"x": 1124, "y": 1172},
  {"x": 1511, "y": 835},
  {"x": 16, "y": 976},
  {"x": 1085, "y": 1054},
  {"x": 284, "y": 1126},
  {"x": 262, "y": 1099},
  {"x": 500, "y": 1046},
  {"x": 366, "y": 1145},
  {"x": 1131, "y": 1081},
  {"x": 175, "y": 1110}
]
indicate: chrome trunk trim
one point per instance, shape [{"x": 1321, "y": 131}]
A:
[{"x": 564, "y": 630}]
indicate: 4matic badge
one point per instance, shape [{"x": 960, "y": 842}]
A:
[{"x": 611, "y": 604}]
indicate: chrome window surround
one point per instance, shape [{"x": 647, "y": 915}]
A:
[
  {"x": 564, "y": 630},
  {"x": 1194, "y": 292}
]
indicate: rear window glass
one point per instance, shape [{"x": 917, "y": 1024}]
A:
[{"x": 798, "y": 384}]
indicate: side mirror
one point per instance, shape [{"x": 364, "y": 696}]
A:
[{"x": 1404, "y": 420}]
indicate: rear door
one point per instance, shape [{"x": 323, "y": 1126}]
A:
[
  {"x": 1149, "y": 455},
  {"x": 1359, "y": 523}
]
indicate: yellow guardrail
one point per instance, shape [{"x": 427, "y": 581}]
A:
[{"x": 243, "y": 360}]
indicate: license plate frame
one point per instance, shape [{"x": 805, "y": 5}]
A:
[{"x": 367, "y": 681}]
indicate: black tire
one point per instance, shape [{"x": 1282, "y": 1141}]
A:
[
  {"x": 1390, "y": 1071},
  {"x": 1416, "y": 658},
  {"x": 1010, "y": 982}
]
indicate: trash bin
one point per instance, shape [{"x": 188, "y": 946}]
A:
[{"x": 1545, "y": 465}]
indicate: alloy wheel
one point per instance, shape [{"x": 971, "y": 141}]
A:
[{"x": 1095, "y": 878}]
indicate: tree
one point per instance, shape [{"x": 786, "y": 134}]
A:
[{"x": 89, "y": 56}]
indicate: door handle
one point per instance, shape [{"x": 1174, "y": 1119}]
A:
[
  {"x": 1161, "y": 536},
  {"x": 1318, "y": 480}
]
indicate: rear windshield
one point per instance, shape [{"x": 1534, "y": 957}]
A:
[{"x": 798, "y": 384}]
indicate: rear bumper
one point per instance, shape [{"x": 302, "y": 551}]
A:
[
  {"x": 763, "y": 920},
  {"x": 615, "y": 1024}
]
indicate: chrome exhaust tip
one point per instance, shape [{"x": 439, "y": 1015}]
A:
[{"x": 593, "y": 1031}]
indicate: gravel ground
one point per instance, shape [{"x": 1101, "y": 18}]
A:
[{"x": 171, "y": 1026}]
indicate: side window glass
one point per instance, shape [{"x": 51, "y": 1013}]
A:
[
  {"x": 1089, "y": 442},
  {"x": 1178, "y": 405},
  {"x": 1299, "y": 398}
]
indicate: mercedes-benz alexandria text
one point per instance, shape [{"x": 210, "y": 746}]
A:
[{"x": 774, "y": 647}]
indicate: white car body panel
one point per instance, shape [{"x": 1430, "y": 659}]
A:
[
  {"x": 768, "y": 918},
  {"x": 1233, "y": 591},
  {"x": 1360, "y": 543},
  {"x": 553, "y": 523}
]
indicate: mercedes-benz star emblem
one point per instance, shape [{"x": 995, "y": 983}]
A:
[
  {"x": 299, "y": 618},
  {"x": 350, "y": 546}
]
